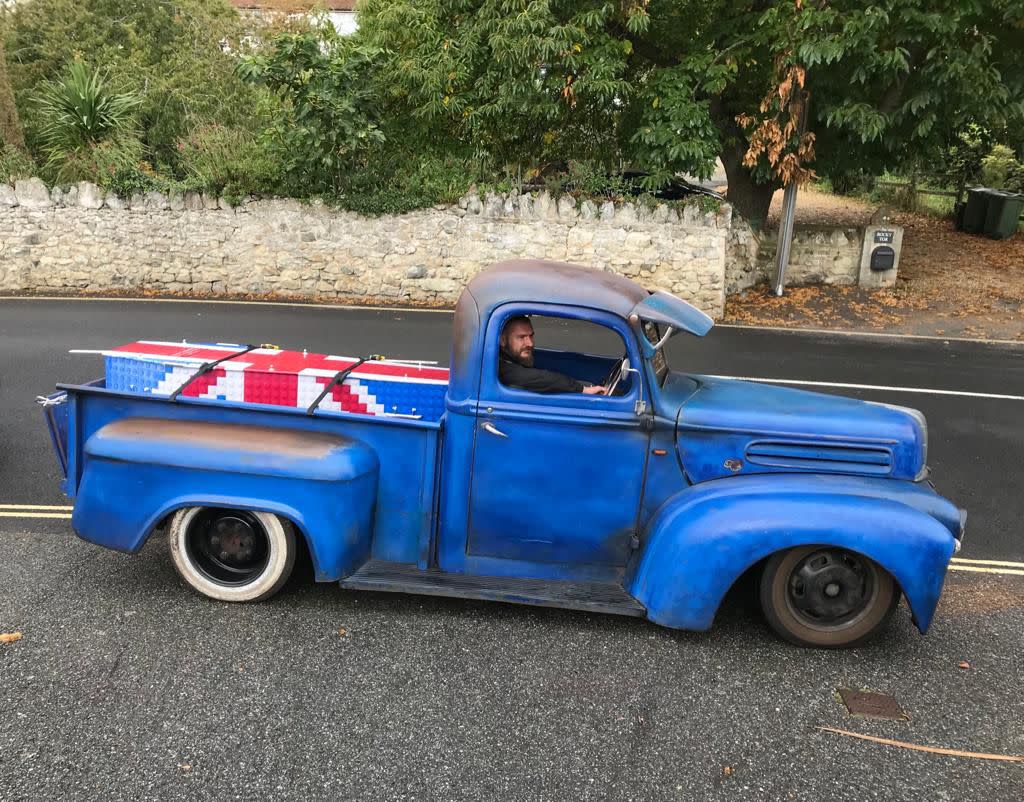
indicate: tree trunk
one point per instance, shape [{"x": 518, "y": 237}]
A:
[
  {"x": 10, "y": 125},
  {"x": 749, "y": 199}
]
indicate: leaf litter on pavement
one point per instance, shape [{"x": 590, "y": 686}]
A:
[{"x": 950, "y": 284}]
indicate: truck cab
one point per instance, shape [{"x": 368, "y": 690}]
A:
[{"x": 649, "y": 500}]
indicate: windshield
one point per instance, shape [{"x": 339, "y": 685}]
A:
[{"x": 653, "y": 333}]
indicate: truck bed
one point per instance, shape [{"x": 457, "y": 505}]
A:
[{"x": 407, "y": 450}]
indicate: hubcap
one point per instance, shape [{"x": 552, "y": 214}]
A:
[
  {"x": 830, "y": 588},
  {"x": 230, "y": 547}
]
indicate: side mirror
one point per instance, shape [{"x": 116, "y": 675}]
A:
[{"x": 625, "y": 370}]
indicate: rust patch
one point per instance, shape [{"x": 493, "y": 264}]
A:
[
  {"x": 980, "y": 594},
  {"x": 872, "y": 705},
  {"x": 255, "y": 439}
]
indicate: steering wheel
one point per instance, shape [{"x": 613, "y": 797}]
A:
[{"x": 611, "y": 382}]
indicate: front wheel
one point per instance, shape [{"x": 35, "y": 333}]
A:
[
  {"x": 826, "y": 597},
  {"x": 232, "y": 555}
]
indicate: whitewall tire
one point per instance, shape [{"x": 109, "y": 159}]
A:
[{"x": 232, "y": 555}]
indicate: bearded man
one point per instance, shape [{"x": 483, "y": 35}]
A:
[{"x": 515, "y": 364}]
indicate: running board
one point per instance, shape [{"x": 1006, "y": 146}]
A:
[{"x": 597, "y": 597}]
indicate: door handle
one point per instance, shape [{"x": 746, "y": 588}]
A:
[{"x": 492, "y": 429}]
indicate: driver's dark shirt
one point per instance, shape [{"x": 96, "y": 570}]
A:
[{"x": 514, "y": 374}]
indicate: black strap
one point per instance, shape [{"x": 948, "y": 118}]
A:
[
  {"x": 206, "y": 367},
  {"x": 339, "y": 377}
]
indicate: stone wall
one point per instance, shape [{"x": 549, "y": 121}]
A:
[
  {"x": 819, "y": 255},
  {"x": 78, "y": 239}
]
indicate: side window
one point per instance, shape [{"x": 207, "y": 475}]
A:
[{"x": 550, "y": 354}]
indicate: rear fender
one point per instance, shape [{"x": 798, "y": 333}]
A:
[
  {"x": 699, "y": 544},
  {"x": 138, "y": 471},
  {"x": 337, "y": 536}
]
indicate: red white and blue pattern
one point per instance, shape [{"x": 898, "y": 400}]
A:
[{"x": 282, "y": 378}]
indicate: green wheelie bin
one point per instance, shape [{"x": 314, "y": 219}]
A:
[
  {"x": 1003, "y": 212},
  {"x": 976, "y": 210}
]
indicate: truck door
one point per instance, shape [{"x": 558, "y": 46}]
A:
[{"x": 558, "y": 478}]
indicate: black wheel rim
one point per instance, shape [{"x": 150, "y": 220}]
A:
[
  {"x": 229, "y": 547},
  {"x": 831, "y": 589}
]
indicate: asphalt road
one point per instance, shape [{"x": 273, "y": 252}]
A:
[{"x": 127, "y": 686}]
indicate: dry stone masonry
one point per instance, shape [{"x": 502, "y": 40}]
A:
[
  {"x": 819, "y": 255},
  {"x": 80, "y": 239}
]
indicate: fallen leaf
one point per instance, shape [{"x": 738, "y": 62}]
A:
[
  {"x": 726, "y": 771},
  {"x": 185, "y": 766},
  {"x": 342, "y": 632},
  {"x": 964, "y": 664},
  {"x": 9, "y": 637}
]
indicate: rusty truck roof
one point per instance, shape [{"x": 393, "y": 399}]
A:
[{"x": 540, "y": 281}]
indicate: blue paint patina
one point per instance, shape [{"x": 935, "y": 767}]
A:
[{"x": 666, "y": 492}]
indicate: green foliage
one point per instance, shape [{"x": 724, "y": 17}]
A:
[
  {"x": 15, "y": 164},
  {"x": 327, "y": 121},
  {"x": 959, "y": 163},
  {"x": 104, "y": 163},
  {"x": 401, "y": 185},
  {"x": 430, "y": 95},
  {"x": 894, "y": 81},
  {"x": 177, "y": 56},
  {"x": 528, "y": 86},
  {"x": 225, "y": 160},
  {"x": 999, "y": 167},
  {"x": 80, "y": 110},
  {"x": 10, "y": 124}
]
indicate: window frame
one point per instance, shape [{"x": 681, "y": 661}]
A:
[{"x": 492, "y": 391}]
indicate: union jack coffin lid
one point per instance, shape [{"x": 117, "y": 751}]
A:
[{"x": 268, "y": 375}]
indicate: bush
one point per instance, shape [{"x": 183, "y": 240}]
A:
[
  {"x": 327, "y": 122},
  {"x": 108, "y": 163},
  {"x": 998, "y": 167},
  {"x": 178, "y": 57},
  {"x": 1015, "y": 178},
  {"x": 394, "y": 185},
  {"x": 218, "y": 159},
  {"x": 15, "y": 164},
  {"x": 79, "y": 111}
]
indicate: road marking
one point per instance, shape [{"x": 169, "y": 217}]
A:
[
  {"x": 1004, "y": 563},
  {"x": 36, "y": 507},
  {"x": 309, "y": 305},
  {"x": 885, "y": 387},
  {"x": 64, "y": 515},
  {"x": 63, "y": 511},
  {"x": 423, "y": 310},
  {"x": 982, "y": 570}
]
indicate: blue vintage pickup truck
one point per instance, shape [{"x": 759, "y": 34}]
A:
[{"x": 649, "y": 500}]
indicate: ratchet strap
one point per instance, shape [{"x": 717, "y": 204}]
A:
[
  {"x": 339, "y": 377},
  {"x": 206, "y": 367}
]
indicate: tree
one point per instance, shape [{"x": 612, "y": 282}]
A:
[
  {"x": 328, "y": 115},
  {"x": 669, "y": 85}
]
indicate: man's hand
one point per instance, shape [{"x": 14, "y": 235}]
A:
[{"x": 595, "y": 389}]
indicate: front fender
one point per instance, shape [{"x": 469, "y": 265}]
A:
[{"x": 702, "y": 540}]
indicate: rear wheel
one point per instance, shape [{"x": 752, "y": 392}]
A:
[
  {"x": 232, "y": 555},
  {"x": 826, "y": 597}
]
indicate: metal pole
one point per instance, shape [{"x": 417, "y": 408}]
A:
[
  {"x": 785, "y": 237},
  {"x": 786, "y": 224}
]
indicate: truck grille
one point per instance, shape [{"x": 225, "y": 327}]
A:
[{"x": 832, "y": 457}]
